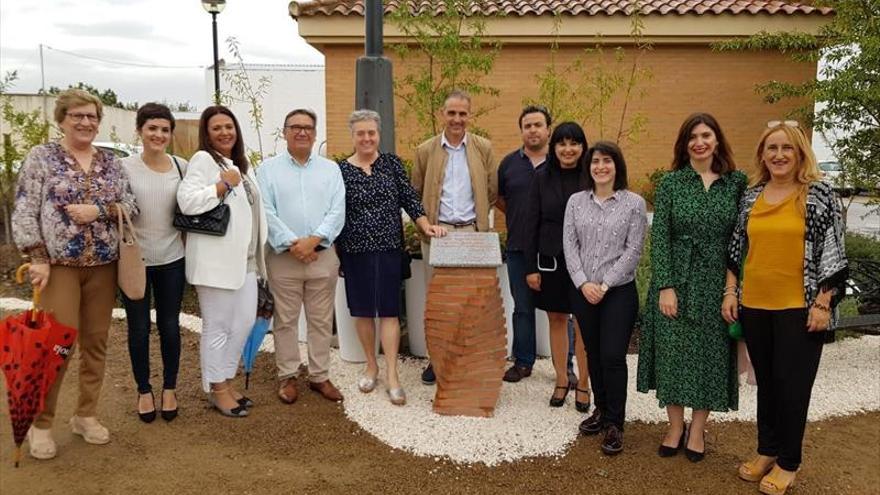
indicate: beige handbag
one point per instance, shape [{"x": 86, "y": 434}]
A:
[{"x": 131, "y": 271}]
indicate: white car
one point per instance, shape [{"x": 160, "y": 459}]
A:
[
  {"x": 832, "y": 173},
  {"x": 121, "y": 150}
]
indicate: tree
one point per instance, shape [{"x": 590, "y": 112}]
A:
[
  {"x": 847, "y": 89},
  {"x": 26, "y": 130},
  {"x": 109, "y": 98},
  {"x": 244, "y": 90},
  {"x": 454, "y": 53}
]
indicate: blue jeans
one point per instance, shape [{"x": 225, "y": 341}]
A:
[
  {"x": 523, "y": 310},
  {"x": 166, "y": 282}
]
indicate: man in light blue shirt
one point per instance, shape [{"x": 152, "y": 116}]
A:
[{"x": 304, "y": 198}]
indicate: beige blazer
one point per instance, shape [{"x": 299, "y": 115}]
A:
[{"x": 429, "y": 171}]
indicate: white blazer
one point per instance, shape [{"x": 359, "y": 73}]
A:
[{"x": 215, "y": 261}]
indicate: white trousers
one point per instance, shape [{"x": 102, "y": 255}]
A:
[{"x": 227, "y": 319}]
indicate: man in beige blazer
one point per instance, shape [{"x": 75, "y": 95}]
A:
[{"x": 456, "y": 176}]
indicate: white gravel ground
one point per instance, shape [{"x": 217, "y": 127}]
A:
[{"x": 524, "y": 425}]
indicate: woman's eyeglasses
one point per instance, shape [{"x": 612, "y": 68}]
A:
[
  {"x": 786, "y": 123},
  {"x": 248, "y": 191}
]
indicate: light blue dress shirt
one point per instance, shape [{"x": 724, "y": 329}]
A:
[
  {"x": 457, "y": 196},
  {"x": 301, "y": 199}
]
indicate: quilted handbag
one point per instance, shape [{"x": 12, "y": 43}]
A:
[
  {"x": 131, "y": 273},
  {"x": 212, "y": 222}
]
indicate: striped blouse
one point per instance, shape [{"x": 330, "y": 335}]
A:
[{"x": 603, "y": 241}]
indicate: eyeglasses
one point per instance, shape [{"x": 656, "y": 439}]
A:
[
  {"x": 247, "y": 190},
  {"x": 786, "y": 123},
  {"x": 78, "y": 117},
  {"x": 296, "y": 129}
]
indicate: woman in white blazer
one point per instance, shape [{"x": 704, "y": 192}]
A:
[{"x": 224, "y": 269}]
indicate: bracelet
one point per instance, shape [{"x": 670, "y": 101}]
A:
[
  {"x": 228, "y": 186},
  {"x": 729, "y": 287},
  {"x": 102, "y": 212},
  {"x": 818, "y": 305},
  {"x": 729, "y": 293}
]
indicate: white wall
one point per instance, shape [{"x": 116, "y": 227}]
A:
[
  {"x": 117, "y": 125},
  {"x": 290, "y": 86}
]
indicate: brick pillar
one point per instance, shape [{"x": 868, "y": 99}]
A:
[{"x": 467, "y": 339}]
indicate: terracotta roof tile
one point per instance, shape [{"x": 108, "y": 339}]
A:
[{"x": 307, "y": 8}]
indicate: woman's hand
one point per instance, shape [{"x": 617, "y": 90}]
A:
[
  {"x": 668, "y": 303},
  {"x": 231, "y": 176},
  {"x": 592, "y": 293},
  {"x": 435, "y": 231},
  {"x": 39, "y": 274},
  {"x": 81, "y": 213},
  {"x": 730, "y": 308},
  {"x": 818, "y": 319},
  {"x": 534, "y": 281}
]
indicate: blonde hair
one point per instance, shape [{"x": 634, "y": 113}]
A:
[
  {"x": 806, "y": 169},
  {"x": 73, "y": 98}
]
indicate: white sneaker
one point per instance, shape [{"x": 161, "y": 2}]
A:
[
  {"x": 90, "y": 429},
  {"x": 42, "y": 446}
]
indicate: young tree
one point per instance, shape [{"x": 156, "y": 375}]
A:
[
  {"x": 245, "y": 90},
  {"x": 449, "y": 52},
  {"x": 848, "y": 87}
]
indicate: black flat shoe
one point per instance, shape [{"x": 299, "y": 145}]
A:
[
  {"x": 168, "y": 414},
  {"x": 149, "y": 416},
  {"x": 693, "y": 455},
  {"x": 612, "y": 444},
  {"x": 558, "y": 402},
  {"x": 665, "y": 451},
  {"x": 583, "y": 407},
  {"x": 245, "y": 402}
]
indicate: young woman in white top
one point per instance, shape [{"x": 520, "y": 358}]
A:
[
  {"x": 155, "y": 176},
  {"x": 224, "y": 269}
]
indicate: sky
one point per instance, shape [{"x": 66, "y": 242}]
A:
[{"x": 147, "y": 50}]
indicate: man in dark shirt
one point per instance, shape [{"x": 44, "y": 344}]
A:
[{"x": 514, "y": 180}]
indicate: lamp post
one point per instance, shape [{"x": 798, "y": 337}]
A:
[
  {"x": 374, "y": 86},
  {"x": 214, "y": 7}
]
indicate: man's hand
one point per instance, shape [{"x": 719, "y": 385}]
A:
[{"x": 304, "y": 249}]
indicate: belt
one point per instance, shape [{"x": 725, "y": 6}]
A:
[{"x": 459, "y": 225}]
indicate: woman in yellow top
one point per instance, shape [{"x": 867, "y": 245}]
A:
[{"x": 788, "y": 243}]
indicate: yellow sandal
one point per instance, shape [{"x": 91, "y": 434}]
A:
[
  {"x": 752, "y": 470},
  {"x": 773, "y": 485}
]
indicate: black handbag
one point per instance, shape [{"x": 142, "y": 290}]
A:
[{"x": 212, "y": 222}]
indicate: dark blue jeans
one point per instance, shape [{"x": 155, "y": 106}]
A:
[
  {"x": 523, "y": 310},
  {"x": 165, "y": 283}
]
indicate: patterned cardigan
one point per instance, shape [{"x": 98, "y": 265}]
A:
[{"x": 825, "y": 265}]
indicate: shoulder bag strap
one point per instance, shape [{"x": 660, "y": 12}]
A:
[{"x": 179, "y": 172}]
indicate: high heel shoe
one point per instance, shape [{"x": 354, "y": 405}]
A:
[
  {"x": 235, "y": 412},
  {"x": 558, "y": 401},
  {"x": 583, "y": 407},
  {"x": 693, "y": 455},
  {"x": 773, "y": 485},
  {"x": 149, "y": 416},
  {"x": 665, "y": 451},
  {"x": 169, "y": 414},
  {"x": 753, "y": 471}
]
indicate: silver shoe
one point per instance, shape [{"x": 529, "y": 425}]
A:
[
  {"x": 236, "y": 412},
  {"x": 397, "y": 396},
  {"x": 366, "y": 384}
]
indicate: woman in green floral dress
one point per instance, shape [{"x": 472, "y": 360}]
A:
[{"x": 685, "y": 353}]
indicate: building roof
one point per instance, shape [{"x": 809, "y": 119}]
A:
[{"x": 310, "y": 8}]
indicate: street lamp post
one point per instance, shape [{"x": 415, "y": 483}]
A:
[
  {"x": 373, "y": 83},
  {"x": 214, "y": 7}
]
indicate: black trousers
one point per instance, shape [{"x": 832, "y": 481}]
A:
[
  {"x": 786, "y": 358},
  {"x": 606, "y": 329}
]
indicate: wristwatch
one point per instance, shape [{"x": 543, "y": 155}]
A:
[{"x": 603, "y": 287}]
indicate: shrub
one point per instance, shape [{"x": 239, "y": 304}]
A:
[{"x": 859, "y": 246}]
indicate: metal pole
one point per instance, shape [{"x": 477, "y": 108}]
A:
[
  {"x": 216, "y": 61},
  {"x": 374, "y": 75},
  {"x": 43, "y": 84},
  {"x": 373, "y": 27}
]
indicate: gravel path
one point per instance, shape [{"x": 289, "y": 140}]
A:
[{"x": 524, "y": 425}]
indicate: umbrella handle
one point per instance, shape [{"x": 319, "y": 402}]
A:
[{"x": 35, "y": 299}]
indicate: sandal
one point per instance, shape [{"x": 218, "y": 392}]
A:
[
  {"x": 772, "y": 484},
  {"x": 558, "y": 401},
  {"x": 752, "y": 470},
  {"x": 583, "y": 407}
]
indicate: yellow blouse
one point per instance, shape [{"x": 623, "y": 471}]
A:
[{"x": 773, "y": 275}]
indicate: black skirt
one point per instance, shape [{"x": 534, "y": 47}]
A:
[
  {"x": 556, "y": 287},
  {"x": 372, "y": 283}
]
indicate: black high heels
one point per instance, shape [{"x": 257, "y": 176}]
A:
[
  {"x": 582, "y": 407},
  {"x": 169, "y": 414},
  {"x": 665, "y": 451},
  {"x": 149, "y": 416},
  {"x": 693, "y": 455},
  {"x": 558, "y": 401}
]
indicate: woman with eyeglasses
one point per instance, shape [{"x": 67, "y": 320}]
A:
[
  {"x": 788, "y": 250},
  {"x": 224, "y": 269},
  {"x": 685, "y": 352},
  {"x": 65, "y": 221}
]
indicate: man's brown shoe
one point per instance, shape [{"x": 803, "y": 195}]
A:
[
  {"x": 327, "y": 390},
  {"x": 288, "y": 392}
]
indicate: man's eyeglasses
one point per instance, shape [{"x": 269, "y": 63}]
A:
[
  {"x": 296, "y": 129},
  {"x": 786, "y": 123},
  {"x": 79, "y": 117}
]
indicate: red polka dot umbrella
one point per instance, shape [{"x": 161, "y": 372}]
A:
[{"x": 33, "y": 347}]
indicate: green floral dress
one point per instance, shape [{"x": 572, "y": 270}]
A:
[{"x": 690, "y": 360}]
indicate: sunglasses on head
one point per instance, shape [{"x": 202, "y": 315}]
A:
[{"x": 786, "y": 123}]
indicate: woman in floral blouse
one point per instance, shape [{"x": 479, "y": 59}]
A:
[
  {"x": 65, "y": 222},
  {"x": 369, "y": 246}
]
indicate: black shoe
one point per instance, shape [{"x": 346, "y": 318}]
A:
[
  {"x": 593, "y": 424},
  {"x": 428, "y": 377},
  {"x": 572, "y": 380},
  {"x": 693, "y": 455},
  {"x": 583, "y": 407},
  {"x": 149, "y": 416},
  {"x": 612, "y": 444},
  {"x": 245, "y": 402},
  {"x": 168, "y": 414},
  {"x": 665, "y": 451},
  {"x": 516, "y": 373},
  {"x": 558, "y": 401}
]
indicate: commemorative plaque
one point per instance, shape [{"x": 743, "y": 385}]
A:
[{"x": 466, "y": 249}]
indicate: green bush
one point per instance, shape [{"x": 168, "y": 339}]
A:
[{"x": 860, "y": 246}]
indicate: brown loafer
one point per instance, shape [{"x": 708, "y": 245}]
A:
[
  {"x": 327, "y": 390},
  {"x": 288, "y": 392}
]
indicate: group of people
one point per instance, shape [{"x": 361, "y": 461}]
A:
[{"x": 765, "y": 250}]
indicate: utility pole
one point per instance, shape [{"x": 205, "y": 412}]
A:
[{"x": 374, "y": 87}]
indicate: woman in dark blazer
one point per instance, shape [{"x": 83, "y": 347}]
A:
[{"x": 555, "y": 181}]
